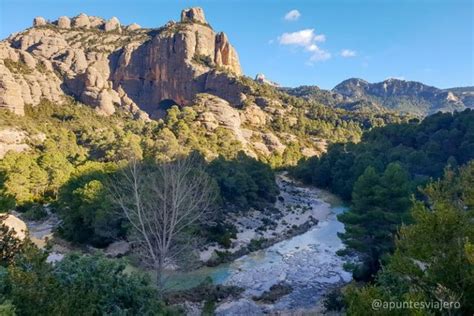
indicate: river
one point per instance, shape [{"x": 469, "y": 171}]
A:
[{"x": 307, "y": 262}]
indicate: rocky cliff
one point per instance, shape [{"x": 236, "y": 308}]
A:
[
  {"x": 143, "y": 72},
  {"x": 107, "y": 65}
]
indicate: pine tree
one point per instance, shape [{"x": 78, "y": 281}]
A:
[{"x": 379, "y": 205}]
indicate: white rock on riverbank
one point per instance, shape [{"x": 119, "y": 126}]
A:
[{"x": 298, "y": 205}]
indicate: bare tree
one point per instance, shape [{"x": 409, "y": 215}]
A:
[{"x": 162, "y": 202}]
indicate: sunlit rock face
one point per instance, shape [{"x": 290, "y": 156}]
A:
[{"x": 108, "y": 66}]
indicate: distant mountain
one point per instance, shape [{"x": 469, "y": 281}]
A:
[
  {"x": 392, "y": 94},
  {"x": 405, "y": 96},
  {"x": 466, "y": 94}
]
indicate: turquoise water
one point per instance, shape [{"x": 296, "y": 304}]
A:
[{"x": 323, "y": 235}]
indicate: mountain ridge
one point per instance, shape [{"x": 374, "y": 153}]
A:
[
  {"x": 394, "y": 94},
  {"x": 105, "y": 65},
  {"x": 150, "y": 74}
]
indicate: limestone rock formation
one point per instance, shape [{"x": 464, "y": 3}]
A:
[
  {"x": 82, "y": 20},
  {"x": 193, "y": 15},
  {"x": 12, "y": 139},
  {"x": 133, "y": 27},
  {"x": 17, "y": 225},
  {"x": 64, "y": 22},
  {"x": 214, "y": 111},
  {"x": 112, "y": 25},
  {"x": 39, "y": 21},
  {"x": 226, "y": 56},
  {"x": 86, "y": 58}
]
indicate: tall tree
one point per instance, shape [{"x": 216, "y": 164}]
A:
[
  {"x": 161, "y": 202},
  {"x": 379, "y": 206}
]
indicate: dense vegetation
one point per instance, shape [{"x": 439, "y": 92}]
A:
[
  {"x": 406, "y": 250},
  {"x": 380, "y": 205},
  {"x": 314, "y": 117},
  {"x": 74, "y": 152},
  {"x": 244, "y": 182},
  {"x": 78, "y": 285},
  {"x": 434, "y": 257},
  {"x": 422, "y": 149}
]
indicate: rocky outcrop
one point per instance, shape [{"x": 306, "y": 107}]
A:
[
  {"x": 193, "y": 15},
  {"x": 15, "y": 224},
  {"x": 112, "y": 25},
  {"x": 101, "y": 65},
  {"x": 39, "y": 21},
  {"x": 82, "y": 20},
  {"x": 215, "y": 112},
  {"x": 117, "y": 249},
  {"x": 12, "y": 139},
  {"x": 133, "y": 27},
  {"x": 177, "y": 64},
  {"x": 64, "y": 22},
  {"x": 225, "y": 55}
]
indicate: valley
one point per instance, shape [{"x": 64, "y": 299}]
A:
[{"x": 143, "y": 171}]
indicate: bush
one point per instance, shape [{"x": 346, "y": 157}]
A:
[{"x": 77, "y": 285}]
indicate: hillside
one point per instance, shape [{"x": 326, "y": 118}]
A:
[
  {"x": 143, "y": 173},
  {"x": 392, "y": 94},
  {"x": 142, "y": 73}
]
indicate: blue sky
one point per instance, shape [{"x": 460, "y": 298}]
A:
[{"x": 321, "y": 43}]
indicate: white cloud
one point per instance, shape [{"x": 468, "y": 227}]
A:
[
  {"x": 319, "y": 55},
  {"x": 346, "y": 53},
  {"x": 301, "y": 38},
  {"x": 320, "y": 38},
  {"x": 292, "y": 15},
  {"x": 307, "y": 39}
]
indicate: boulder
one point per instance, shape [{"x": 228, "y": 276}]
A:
[
  {"x": 12, "y": 139},
  {"x": 16, "y": 224},
  {"x": 112, "y": 24},
  {"x": 39, "y": 21},
  {"x": 82, "y": 20},
  {"x": 253, "y": 115},
  {"x": 64, "y": 22},
  {"x": 96, "y": 22},
  {"x": 273, "y": 142},
  {"x": 117, "y": 249},
  {"x": 133, "y": 27}
]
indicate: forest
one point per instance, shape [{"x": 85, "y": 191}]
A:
[{"x": 408, "y": 185}]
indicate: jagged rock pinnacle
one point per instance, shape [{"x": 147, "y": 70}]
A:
[
  {"x": 193, "y": 15},
  {"x": 39, "y": 21},
  {"x": 64, "y": 22}
]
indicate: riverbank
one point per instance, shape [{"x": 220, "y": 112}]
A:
[
  {"x": 296, "y": 211},
  {"x": 297, "y": 266},
  {"x": 299, "y": 270}
]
